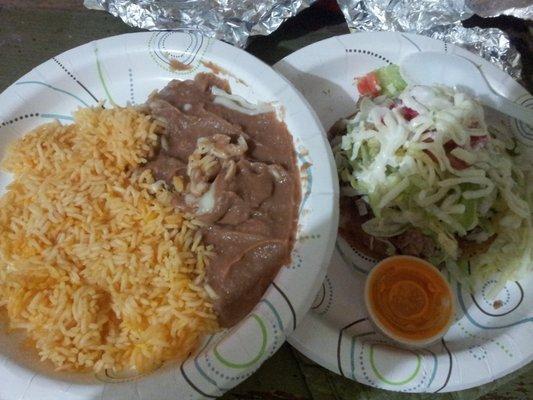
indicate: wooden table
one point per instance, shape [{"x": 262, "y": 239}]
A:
[{"x": 32, "y": 31}]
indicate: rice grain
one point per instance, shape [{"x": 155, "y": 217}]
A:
[{"x": 99, "y": 272}]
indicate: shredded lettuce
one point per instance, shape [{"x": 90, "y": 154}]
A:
[{"x": 425, "y": 158}]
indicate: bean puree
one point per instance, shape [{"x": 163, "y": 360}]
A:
[{"x": 238, "y": 169}]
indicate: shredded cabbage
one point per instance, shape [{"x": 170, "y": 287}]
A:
[{"x": 426, "y": 159}]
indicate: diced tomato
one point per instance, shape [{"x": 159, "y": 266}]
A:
[
  {"x": 409, "y": 113},
  {"x": 457, "y": 163},
  {"x": 450, "y": 145},
  {"x": 395, "y": 103},
  {"x": 477, "y": 142},
  {"x": 368, "y": 85}
]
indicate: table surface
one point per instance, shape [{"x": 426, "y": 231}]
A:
[{"x": 32, "y": 31}]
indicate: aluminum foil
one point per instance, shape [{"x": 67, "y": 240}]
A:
[
  {"x": 229, "y": 20},
  {"x": 235, "y": 20},
  {"x": 441, "y": 19},
  {"x": 492, "y": 8}
]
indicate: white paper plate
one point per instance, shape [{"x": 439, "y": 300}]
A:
[
  {"x": 484, "y": 343},
  {"x": 125, "y": 69}
]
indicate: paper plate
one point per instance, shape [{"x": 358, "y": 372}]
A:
[
  {"x": 126, "y": 69},
  {"x": 484, "y": 343}
]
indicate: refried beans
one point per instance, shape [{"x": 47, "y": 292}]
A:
[{"x": 235, "y": 168}]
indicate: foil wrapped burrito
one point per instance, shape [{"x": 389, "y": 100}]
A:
[
  {"x": 441, "y": 19},
  {"x": 234, "y": 21}
]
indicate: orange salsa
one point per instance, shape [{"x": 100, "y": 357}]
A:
[{"x": 409, "y": 299}]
